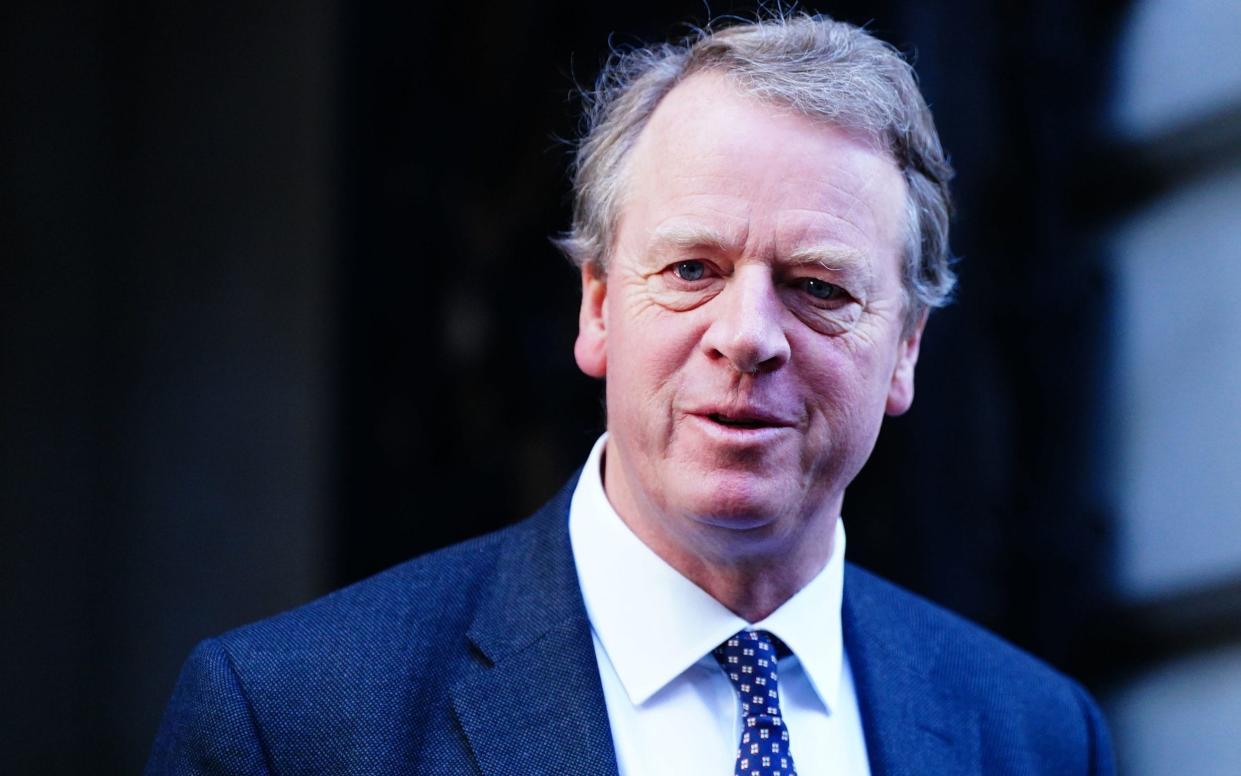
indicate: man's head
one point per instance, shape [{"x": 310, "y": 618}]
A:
[
  {"x": 744, "y": 233},
  {"x": 821, "y": 68}
]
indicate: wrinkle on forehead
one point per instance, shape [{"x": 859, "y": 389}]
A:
[
  {"x": 801, "y": 229},
  {"x": 726, "y": 222},
  {"x": 702, "y": 178}
]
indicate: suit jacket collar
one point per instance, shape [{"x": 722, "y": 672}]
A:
[
  {"x": 912, "y": 724},
  {"x": 530, "y": 700}
]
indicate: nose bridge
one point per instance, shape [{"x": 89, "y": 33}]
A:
[{"x": 748, "y": 329}]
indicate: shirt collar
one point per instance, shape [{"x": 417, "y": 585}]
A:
[{"x": 653, "y": 623}]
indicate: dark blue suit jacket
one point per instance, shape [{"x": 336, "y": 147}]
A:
[{"x": 478, "y": 659}]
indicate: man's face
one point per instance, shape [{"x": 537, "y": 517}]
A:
[{"x": 750, "y": 324}]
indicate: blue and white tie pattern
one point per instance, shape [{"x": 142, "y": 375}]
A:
[{"x": 749, "y": 660}]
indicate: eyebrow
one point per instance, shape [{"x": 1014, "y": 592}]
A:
[
  {"x": 684, "y": 236},
  {"x": 830, "y": 257},
  {"x": 690, "y": 236}
]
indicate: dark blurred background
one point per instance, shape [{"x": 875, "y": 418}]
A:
[{"x": 278, "y": 309}]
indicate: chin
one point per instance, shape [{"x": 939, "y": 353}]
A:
[{"x": 729, "y": 503}]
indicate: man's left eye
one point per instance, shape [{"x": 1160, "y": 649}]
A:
[{"x": 821, "y": 289}]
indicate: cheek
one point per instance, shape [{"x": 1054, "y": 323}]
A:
[
  {"x": 651, "y": 345},
  {"x": 845, "y": 383},
  {"x": 640, "y": 364},
  {"x": 647, "y": 374}
]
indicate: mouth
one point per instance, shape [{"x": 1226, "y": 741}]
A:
[
  {"x": 725, "y": 420},
  {"x": 744, "y": 420}
]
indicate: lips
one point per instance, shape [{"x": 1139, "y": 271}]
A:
[
  {"x": 743, "y": 418},
  {"x": 736, "y": 422},
  {"x": 724, "y": 420}
]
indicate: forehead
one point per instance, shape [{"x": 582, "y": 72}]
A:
[{"x": 715, "y": 162}]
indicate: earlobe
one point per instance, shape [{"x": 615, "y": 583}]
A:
[
  {"x": 590, "y": 350},
  {"x": 901, "y": 389}
]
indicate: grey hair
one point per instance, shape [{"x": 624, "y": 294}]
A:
[{"x": 822, "y": 68}]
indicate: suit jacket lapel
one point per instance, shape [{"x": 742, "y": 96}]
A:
[
  {"x": 912, "y": 725},
  {"x": 530, "y": 700}
]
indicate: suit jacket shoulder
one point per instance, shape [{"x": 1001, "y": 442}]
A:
[
  {"x": 444, "y": 660},
  {"x": 479, "y": 659},
  {"x": 939, "y": 694}
]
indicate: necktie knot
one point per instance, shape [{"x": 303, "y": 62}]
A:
[{"x": 750, "y": 662}]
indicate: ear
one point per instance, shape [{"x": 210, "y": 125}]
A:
[
  {"x": 901, "y": 389},
  {"x": 590, "y": 350}
]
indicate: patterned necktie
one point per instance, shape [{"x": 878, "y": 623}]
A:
[{"x": 749, "y": 660}]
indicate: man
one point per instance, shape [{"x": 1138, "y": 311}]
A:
[{"x": 761, "y": 227}]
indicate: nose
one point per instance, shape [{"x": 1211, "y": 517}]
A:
[{"x": 747, "y": 329}]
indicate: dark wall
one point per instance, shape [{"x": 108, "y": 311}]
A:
[
  {"x": 278, "y": 310},
  {"x": 168, "y": 325}
]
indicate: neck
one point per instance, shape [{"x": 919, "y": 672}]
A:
[
  {"x": 751, "y": 588},
  {"x": 752, "y": 570}
]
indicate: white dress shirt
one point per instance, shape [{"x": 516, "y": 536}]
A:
[{"x": 671, "y": 708}]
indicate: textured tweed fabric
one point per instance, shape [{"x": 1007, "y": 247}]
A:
[{"x": 478, "y": 659}]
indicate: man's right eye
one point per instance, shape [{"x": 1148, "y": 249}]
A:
[{"x": 689, "y": 270}]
